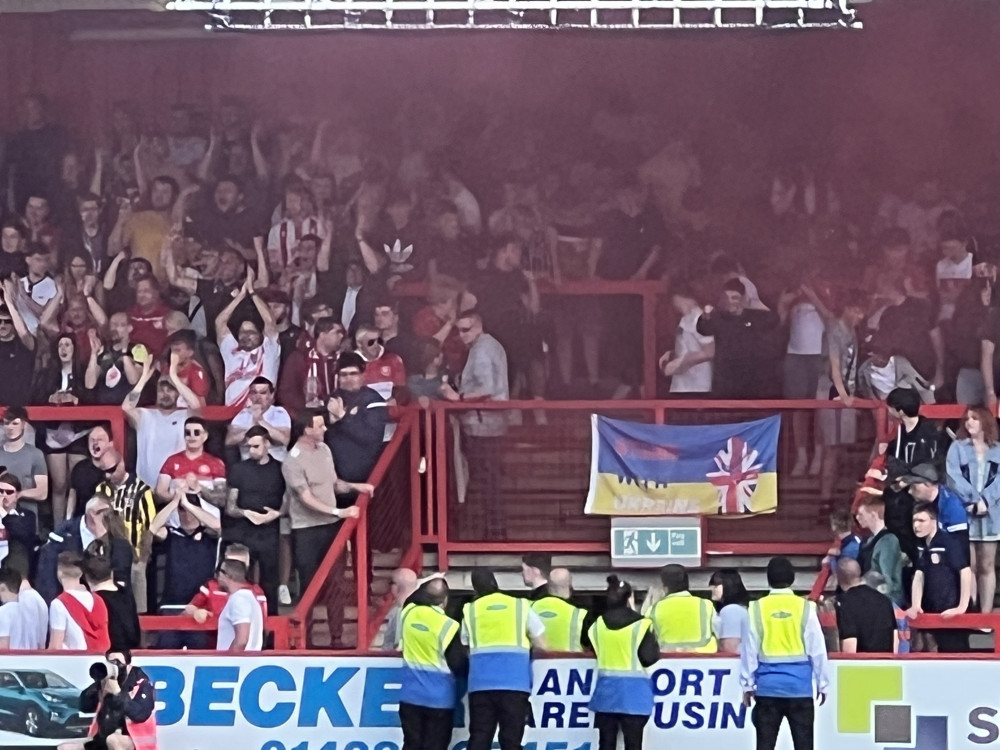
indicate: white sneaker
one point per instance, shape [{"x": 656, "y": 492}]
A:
[{"x": 284, "y": 597}]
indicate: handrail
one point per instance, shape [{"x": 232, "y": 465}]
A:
[{"x": 300, "y": 615}]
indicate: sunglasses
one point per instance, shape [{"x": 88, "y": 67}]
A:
[
  {"x": 112, "y": 470},
  {"x": 371, "y": 342},
  {"x": 193, "y": 433},
  {"x": 6, "y": 321},
  {"x": 7, "y": 492}
]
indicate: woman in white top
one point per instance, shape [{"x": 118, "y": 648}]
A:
[{"x": 731, "y": 600}]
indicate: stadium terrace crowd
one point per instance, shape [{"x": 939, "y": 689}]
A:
[{"x": 315, "y": 279}]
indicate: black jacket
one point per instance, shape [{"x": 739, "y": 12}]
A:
[
  {"x": 112, "y": 710},
  {"x": 356, "y": 439},
  {"x": 66, "y": 538},
  {"x": 22, "y": 540},
  {"x": 622, "y": 617},
  {"x": 908, "y": 449}
]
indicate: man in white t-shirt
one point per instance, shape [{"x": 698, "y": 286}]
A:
[
  {"x": 11, "y": 626},
  {"x": 805, "y": 364},
  {"x": 159, "y": 429},
  {"x": 955, "y": 269},
  {"x": 253, "y": 353},
  {"x": 689, "y": 365},
  {"x": 34, "y": 614},
  {"x": 241, "y": 624},
  {"x": 78, "y": 620},
  {"x": 260, "y": 410}
]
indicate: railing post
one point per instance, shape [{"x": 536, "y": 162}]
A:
[
  {"x": 440, "y": 417},
  {"x": 649, "y": 357},
  {"x": 361, "y": 577},
  {"x": 417, "y": 480}
]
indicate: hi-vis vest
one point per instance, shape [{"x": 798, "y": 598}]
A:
[
  {"x": 779, "y": 622},
  {"x": 684, "y": 623},
  {"x": 499, "y": 650},
  {"x": 426, "y": 632},
  {"x": 622, "y": 687},
  {"x": 563, "y": 623},
  {"x": 143, "y": 735}
]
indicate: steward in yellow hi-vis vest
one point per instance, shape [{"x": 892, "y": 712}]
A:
[
  {"x": 499, "y": 631},
  {"x": 683, "y": 622},
  {"x": 432, "y": 656},
  {"x": 564, "y": 622},
  {"x": 625, "y": 647},
  {"x": 783, "y": 660}
]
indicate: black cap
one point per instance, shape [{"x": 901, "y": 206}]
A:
[
  {"x": 350, "y": 359},
  {"x": 925, "y": 473}
]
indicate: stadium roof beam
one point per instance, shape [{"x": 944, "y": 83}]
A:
[{"x": 306, "y": 15}]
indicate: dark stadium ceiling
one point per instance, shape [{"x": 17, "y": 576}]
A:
[{"x": 306, "y": 15}]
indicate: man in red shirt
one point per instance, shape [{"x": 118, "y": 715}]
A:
[
  {"x": 437, "y": 321},
  {"x": 384, "y": 372},
  {"x": 146, "y": 316},
  {"x": 182, "y": 347},
  {"x": 210, "y": 600},
  {"x": 309, "y": 377},
  {"x": 196, "y": 471}
]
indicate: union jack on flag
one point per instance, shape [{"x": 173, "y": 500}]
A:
[{"x": 736, "y": 477}]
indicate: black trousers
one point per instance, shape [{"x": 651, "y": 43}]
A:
[
  {"x": 426, "y": 728},
  {"x": 484, "y": 478},
  {"x": 309, "y": 547},
  {"x": 630, "y": 725},
  {"x": 768, "y": 714},
  {"x": 493, "y": 709},
  {"x": 263, "y": 544}
]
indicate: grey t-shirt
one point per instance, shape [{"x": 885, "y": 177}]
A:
[
  {"x": 838, "y": 337},
  {"x": 485, "y": 372},
  {"x": 730, "y": 621},
  {"x": 25, "y": 464}
]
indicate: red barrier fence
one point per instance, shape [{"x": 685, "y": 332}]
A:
[
  {"x": 542, "y": 475},
  {"x": 543, "y": 472},
  {"x": 383, "y": 532},
  {"x": 648, "y": 293}
]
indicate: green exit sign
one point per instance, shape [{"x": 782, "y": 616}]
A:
[{"x": 651, "y": 542}]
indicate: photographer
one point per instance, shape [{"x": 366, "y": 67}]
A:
[{"x": 124, "y": 699}]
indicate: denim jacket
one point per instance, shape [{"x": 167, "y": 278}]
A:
[{"x": 963, "y": 466}]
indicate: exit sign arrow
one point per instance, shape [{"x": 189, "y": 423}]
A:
[{"x": 653, "y": 543}]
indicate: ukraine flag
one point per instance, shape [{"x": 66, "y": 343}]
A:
[{"x": 680, "y": 470}]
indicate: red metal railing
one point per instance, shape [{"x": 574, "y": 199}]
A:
[
  {"x": 545, "y": 473},
  {"x": 649, "y": 293},
  {"x": 385, "y": 526}
]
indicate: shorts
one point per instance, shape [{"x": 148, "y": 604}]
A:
[
  {"x": 982, "y": 529},
  {"x": 802, "y": 373}
]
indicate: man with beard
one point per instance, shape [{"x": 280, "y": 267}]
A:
[{"x": 226, "y": 218}]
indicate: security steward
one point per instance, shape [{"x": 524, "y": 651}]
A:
[
  {"x": 499, "y": 631},
  {"x": 782, "y": 660},
  {"x": 563, "y": 621},
  {"x": 625, "y": 646},
  {"x": 432, "y": 657},
  {"x": 683, "y": 621}
]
